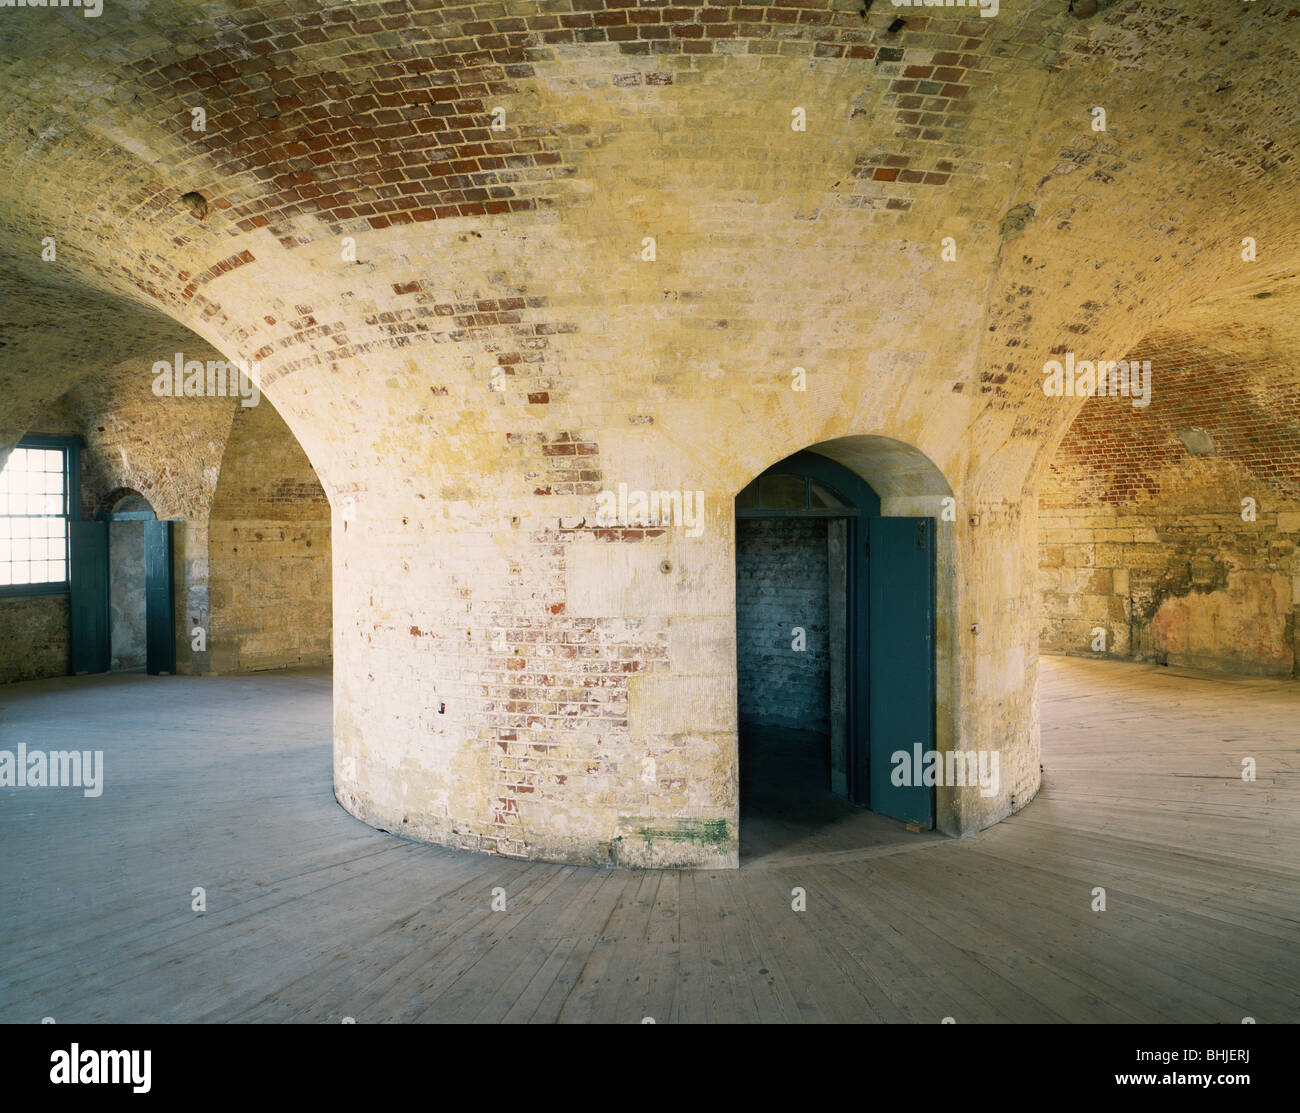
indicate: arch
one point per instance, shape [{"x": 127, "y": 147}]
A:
[
  {"x": 840, "y": 481},
  {"x": 125, "y": 504},
  {"x": 125, "y": 512},
  {"x": 845, "y": 590},
  {"x": 894, "y": 470},
  {"x": 269, "y": 552},
  {"x": 882, "y": 477}
]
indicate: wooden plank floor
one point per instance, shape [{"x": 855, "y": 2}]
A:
[{"x": 224, "y": 783}]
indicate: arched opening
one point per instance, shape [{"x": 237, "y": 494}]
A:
[
  {"x": 211, "y": 557},
  {"x": 838, "y": 599},
  {"x": 1167, "y": 530},
  {"x": 268, "y": 568},
  {"x": 126, "y": 511}
]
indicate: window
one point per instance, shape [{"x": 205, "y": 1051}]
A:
[
  {"x": 783, "y": 492},
  {"x": 37, "y": 485},
  {"x": 777, "y": 491}
]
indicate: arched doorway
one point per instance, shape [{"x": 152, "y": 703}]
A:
[
  {"x": 269, "y": 525},
  {"x": 137, "y": 552},
  {"x": 835, "y": 604}
]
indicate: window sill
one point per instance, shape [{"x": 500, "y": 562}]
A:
[{"x": 23, "y": 591}]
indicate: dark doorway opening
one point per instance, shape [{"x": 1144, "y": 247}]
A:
[
  {"x": 814, "y": 604},
  {"x": 121, "y": 591}
]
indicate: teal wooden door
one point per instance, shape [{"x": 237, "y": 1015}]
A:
[
  {"x": 88, "y": 597},
  {"x": 901, "y": 665},
  {"x": 159, "y": 612}
]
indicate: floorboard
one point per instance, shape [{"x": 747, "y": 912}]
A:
[{"x": 311, "y": 916}]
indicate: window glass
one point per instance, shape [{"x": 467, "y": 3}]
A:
[
  {"x": 745, "y": 500},
  {"x": 783, "y": 492},
  {"x": 33, "y": 522},
  {"x": 823, "y": 498}
]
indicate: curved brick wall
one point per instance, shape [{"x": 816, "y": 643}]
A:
[
  {"x": 1175, "y": 528},
  {"x": 492, "y": 349}
]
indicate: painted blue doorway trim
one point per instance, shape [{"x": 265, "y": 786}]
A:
[{"x": 902, "y": 668}]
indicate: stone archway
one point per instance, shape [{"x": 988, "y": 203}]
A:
[{"x": 909, "y": 484}]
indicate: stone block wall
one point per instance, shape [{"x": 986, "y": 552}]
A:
[
  {"x": 33, "y": 637},
  {"x": 1173, "y": 584}
]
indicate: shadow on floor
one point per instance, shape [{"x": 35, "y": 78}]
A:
[{"x": 787, "y": 808}]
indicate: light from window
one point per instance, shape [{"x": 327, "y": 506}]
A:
[{"x": 33, "y": 521}]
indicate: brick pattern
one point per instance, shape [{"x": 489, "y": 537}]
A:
[
  {"x": 541, "y": 683},
  {"x": 776, "y": 249},
  {"x": 252, "y": 534},
  {"x": 564, "y": 463},
  {"x": 1146, "y": 540},
  {"x": 408, "y": 135},
  {"x": 781, "y": 583},
  {"x": 69, "y": 334},
  {"x": 33, "y": 637},
  {"x": 1231, "y": 386},
  {"x": 541, "y": 695},
  {"x": 269, "y": 552},
  {"x": 379, "y": 115},
  {"x": 933, "y": 70},
  {"x": 167, "y": 449}
]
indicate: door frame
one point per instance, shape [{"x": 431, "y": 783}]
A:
[
  {"x": 159, "y": 599},
  {"x": 902, "y": 597},
  {"x": 88, "y": 608},
  {"x": 862, "y": 504}
]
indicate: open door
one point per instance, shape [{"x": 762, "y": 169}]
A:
[
  {"x": 88, "y": 597},
  {"x": 880, "y": 626},
  {"x": 901, "y": 664},
  {"x": 159, "y": 610}
]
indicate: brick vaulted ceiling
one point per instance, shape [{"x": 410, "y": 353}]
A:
[
  {"x": 626, "y": 118},
  {"x": 1230, "y": 379}
]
